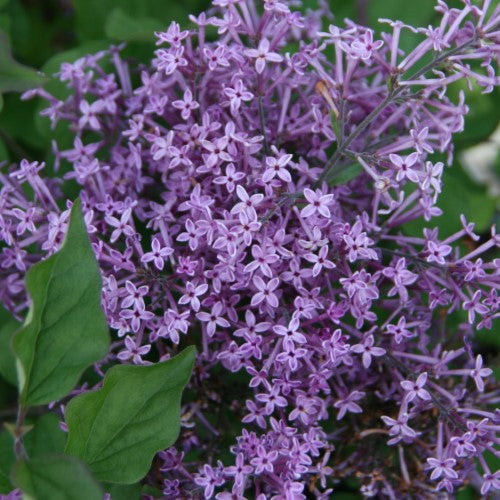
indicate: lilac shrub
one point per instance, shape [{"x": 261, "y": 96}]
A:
[{"x": 249, "y": 192}]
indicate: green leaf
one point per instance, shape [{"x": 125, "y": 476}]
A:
[
  {"x": 8, "y": 395},
  {"x": 345, "y": 174},
  {"x": 18, "y": 127},
  {"x": 120, "y": 26},
  {"x": 65, "y": 330},
  {"x": 56, "y": 477},
  {"x": 118, "y": 429},
  {"x": 13, "y": 75},
  {"x": 45, "y": 437},
  {"x": 124, "y": 491},
  {"x": 7, "y": 460},
  {"x": 4, "y": 153},
  {"x": 8, "y": 326},
  {"x": 151, "y": 491},
  {"x": 91, "y": 15},
  {"x": 336, "y": 125}
]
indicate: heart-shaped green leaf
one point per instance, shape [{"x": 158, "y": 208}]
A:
[
  {"x": 66, "y": 330},
  {"x": 56, "y": 477},
  {"x": 117, "y": 429}
]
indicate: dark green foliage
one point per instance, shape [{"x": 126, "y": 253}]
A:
[
  {"x": 118, "y": 429},
  {"x": 65, "y": 330},
  {"x": 56, "y": 477}
]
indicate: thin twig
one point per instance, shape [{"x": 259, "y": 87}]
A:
[{"x": 18, "y": 434}]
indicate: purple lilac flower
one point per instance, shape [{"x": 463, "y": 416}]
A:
[{"x": 321, "y": 324}]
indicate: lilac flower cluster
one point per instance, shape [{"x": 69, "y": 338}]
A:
[{"x": 212, "y": 195}]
